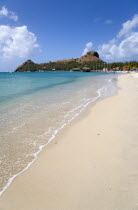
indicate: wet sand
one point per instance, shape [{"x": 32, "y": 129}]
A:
[{"x": 91, "y": 164}]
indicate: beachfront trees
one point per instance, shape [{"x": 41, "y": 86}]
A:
[{"x": 67, "y": 66}]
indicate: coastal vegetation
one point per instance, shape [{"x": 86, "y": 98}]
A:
[
  {"x": 73, "y": 65},
  {"x": 88, "y": 62},
  {"x": 123, "y": 65}
]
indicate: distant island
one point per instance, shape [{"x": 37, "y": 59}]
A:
[{"x": 86, "y": 63}]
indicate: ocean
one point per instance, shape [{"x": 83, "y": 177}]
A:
[{"x": 35, "y": 106}]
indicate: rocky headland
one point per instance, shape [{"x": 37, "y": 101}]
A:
[{"x": 85, "y": 63}]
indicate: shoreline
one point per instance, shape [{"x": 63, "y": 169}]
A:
[
  {"x": 20, "y": 191},
  {"x": 79, "y": 115}
]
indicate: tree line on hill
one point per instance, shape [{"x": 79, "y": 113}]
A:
[{"x": 73, "y": 65}]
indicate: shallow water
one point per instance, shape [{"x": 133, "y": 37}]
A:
[{"x": 35, "y": 106}]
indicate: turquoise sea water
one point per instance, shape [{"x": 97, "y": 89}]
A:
[{"x": 35, "y": 106}]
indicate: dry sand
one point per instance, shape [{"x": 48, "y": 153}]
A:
[{"x": 91, "y": 165}]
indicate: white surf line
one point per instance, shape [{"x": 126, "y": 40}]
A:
[{"x": 99, "y": 91}]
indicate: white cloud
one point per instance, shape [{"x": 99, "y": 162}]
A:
[
  {"x": 108, "y": 22},
  {"x": 13, "y": 16},
  {"x": 87, "y": 48},
  {"x": 128, "y": 26},
  {"x": 124, "y": 46},
  {"x": 17, "y": 42},
  {"x": 5, "y": 13}
]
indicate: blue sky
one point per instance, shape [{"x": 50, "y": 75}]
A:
[{"x": 48, "y": 30}]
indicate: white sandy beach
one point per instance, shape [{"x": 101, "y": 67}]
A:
[{"x": 91, "y": 165}]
